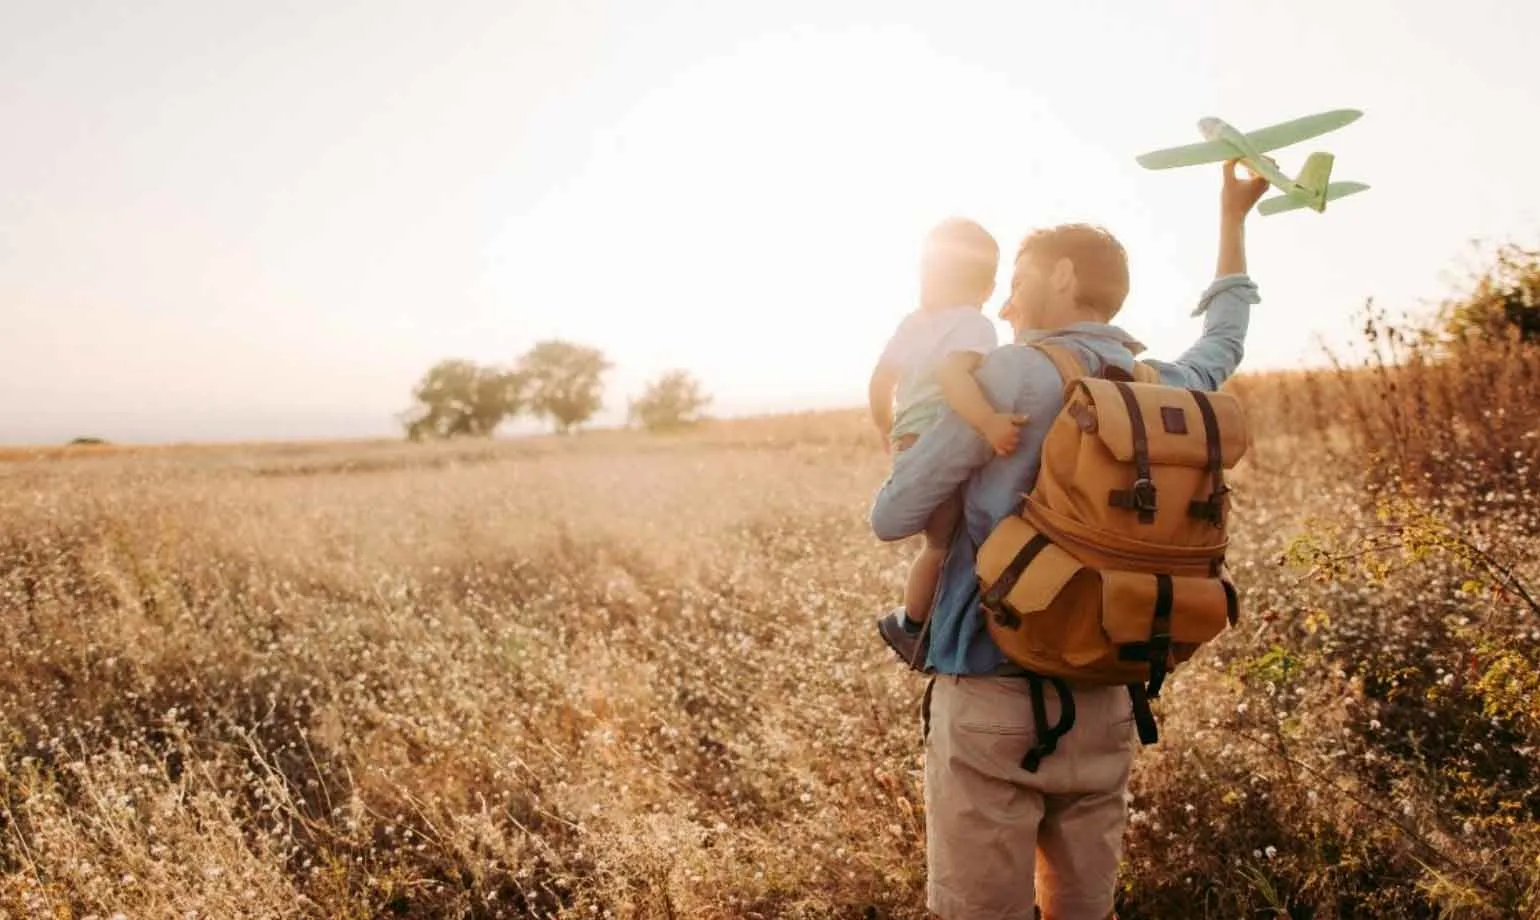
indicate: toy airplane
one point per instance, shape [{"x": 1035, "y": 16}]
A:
[{"x": 1312, "y": 189}]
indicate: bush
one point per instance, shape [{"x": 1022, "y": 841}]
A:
[
  {"x": 1504, "y": 303},
  {"x": 672, "y": 401},
  {"x": 1390, "y": 706}
]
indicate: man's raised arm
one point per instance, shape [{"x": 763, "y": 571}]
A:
[{"x": 1226, "y": 305}]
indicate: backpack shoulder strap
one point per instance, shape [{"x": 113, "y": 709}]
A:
[
  {"x": 1070, "y": 368},
  {"x": 1064, "y": 361},
  {"x": 1144, "y": 373}
]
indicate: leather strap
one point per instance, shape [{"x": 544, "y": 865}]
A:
[
  {"x": 930, "y": 689},
  {"x": 1213, "y": 509},
  {"x": 1160, "y": 634},
  {"x": 1047, "y": 735},
  {"x": 1144, "y": 718},
  {"x": 1007, "y": 580},
  {"x": 1141, "y": 497},
  {"x": 1064, "y": 361}
]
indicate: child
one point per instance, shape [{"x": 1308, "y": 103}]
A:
[{"x": 927, "y": 365}]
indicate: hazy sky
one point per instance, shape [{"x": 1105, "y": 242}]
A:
[{"x": 267, "y": 219}]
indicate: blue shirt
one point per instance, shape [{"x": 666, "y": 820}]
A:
[{"x": 1020, "y": 379}]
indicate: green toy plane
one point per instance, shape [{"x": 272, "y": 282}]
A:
[{"x": 1312, "y": 189}]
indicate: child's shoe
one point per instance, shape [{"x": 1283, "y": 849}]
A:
[{"x": 904, "y": 636}]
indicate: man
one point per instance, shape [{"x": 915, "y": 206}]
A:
[{"x": 987, "y": 819}]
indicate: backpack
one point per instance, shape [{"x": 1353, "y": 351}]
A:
[{"x": 1112, "y": 571}]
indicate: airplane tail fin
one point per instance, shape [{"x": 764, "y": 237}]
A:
[
  {"x": 1280, "y": 203},
  {"x": 1316, "y": 174}
]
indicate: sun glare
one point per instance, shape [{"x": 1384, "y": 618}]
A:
[{"x": 766, "y": 206}]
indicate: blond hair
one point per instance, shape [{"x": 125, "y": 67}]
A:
[{"x": 960, "y": 261}]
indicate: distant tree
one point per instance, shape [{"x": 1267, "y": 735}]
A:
[
  {"x": 563, "y": 382},
  {"x": 87, "y": 442},
  {"x": 460, "y": 398},
  {"x": 674, "y": 400},
  {"x": 1505, "y": 300}
]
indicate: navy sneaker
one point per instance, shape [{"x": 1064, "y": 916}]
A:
[{"x": 904, "y": 636}]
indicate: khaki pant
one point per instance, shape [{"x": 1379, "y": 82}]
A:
[{"x": 999, "y": 838}]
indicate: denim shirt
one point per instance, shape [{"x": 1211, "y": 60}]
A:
[{"x": 1019, "y": 379}]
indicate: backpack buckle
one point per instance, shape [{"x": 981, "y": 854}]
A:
[
  {"x": 1003, "y": 615},
  {"x": 1144, "y": 495},
  {"x": 1140, "y": 498},
  {"x": 1211, "y": 509}
]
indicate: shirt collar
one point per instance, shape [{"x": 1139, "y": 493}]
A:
[{"x": 1094, "y": 330}]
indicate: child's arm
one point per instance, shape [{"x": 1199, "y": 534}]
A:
[
  {"x": 879, "y": 395},
  {"x": 967, "y": 399}
]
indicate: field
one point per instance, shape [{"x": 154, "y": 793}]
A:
[{"x": 615, "y": 675}]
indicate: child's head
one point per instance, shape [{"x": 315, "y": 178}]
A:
[{"x": 959, "y": 265}]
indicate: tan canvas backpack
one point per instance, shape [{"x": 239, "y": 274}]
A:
[{"x": 1113, "y": 570}]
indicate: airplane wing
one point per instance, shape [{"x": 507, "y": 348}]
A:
[
  {"x": 1292, "y": 132},
  {"x": 1281, "y": 203},
  {"x": 1189, "y": 155}
]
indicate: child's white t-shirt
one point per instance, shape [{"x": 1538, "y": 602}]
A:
[{"x": 917, "y": 347}]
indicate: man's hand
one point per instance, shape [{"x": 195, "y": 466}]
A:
[
  {"x": 1239, "y": 196},
  {"x": 1236, "y": 200},
  {"x": 1003, "y": 431}
]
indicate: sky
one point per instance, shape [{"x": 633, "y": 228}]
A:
[{"x": 266, "y": 220}]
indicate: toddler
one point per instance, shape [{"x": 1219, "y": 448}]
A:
[{"x": 926, "y": 367}]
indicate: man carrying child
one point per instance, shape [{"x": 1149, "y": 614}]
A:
[{"x": 1001, "y": 839}]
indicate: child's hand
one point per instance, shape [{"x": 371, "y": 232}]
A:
[{"x": 1003, "y": 431}]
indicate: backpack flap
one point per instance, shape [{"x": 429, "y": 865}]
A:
[
  {"x": 1173, "y": 423},
  {"x": 1020, "y": 571},
  {"x": 1150, "y": 616}
]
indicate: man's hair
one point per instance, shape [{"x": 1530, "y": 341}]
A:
[
  {"x": 1101, "y": 264},
  {"x": 960, "y": 256}
]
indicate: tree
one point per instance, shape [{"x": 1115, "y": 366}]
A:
[
  {"x": 1504, "y": 301},
  {"x": 458, "y": 397},
  {"x": 563, "y": 382},
  {"x": 674, "y": 400}
]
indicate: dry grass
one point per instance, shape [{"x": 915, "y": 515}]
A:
[{"x": 632, "y": 677}]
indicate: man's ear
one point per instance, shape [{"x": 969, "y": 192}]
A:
[{"x": 1063, "y": 277}]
